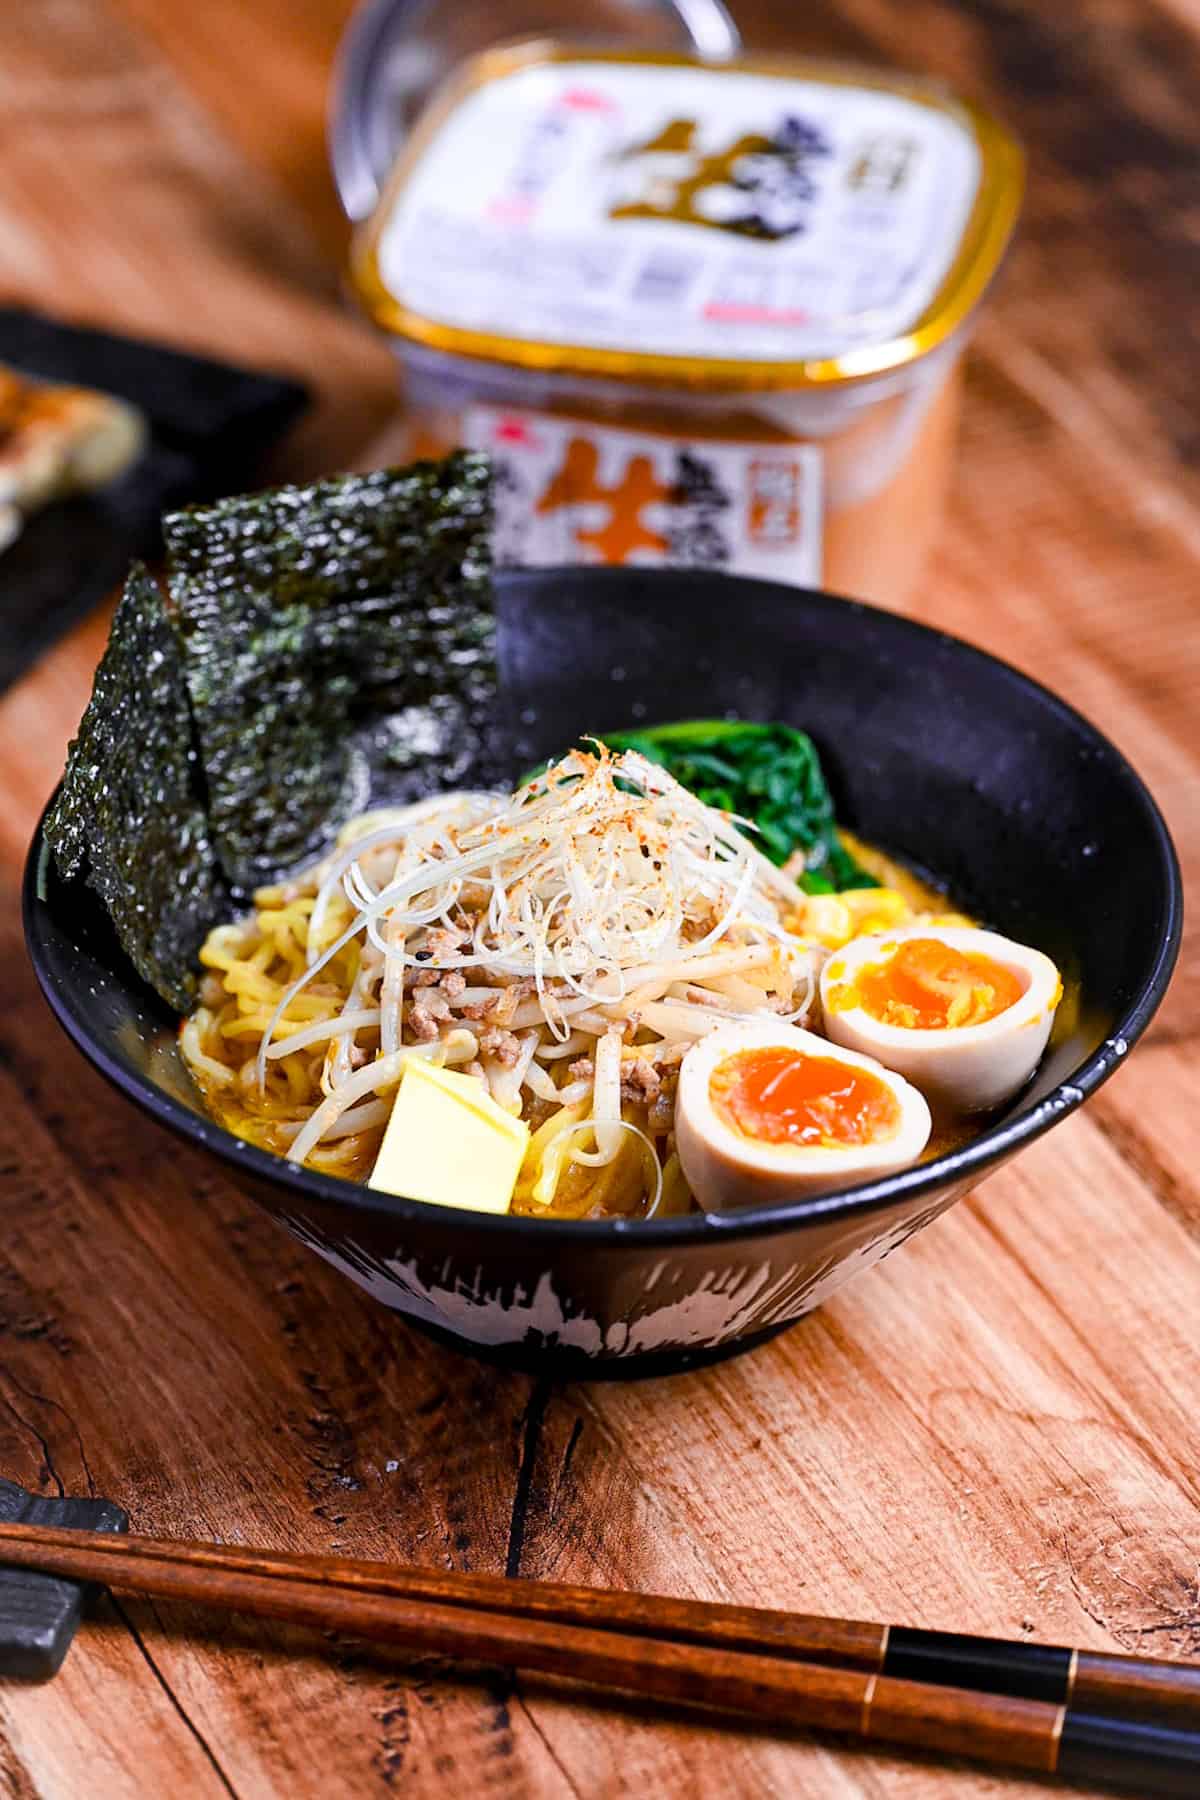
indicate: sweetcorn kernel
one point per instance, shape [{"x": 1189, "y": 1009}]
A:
[
  {"x": 828, "y": 919},
  {"x": 875, "y": 909}
]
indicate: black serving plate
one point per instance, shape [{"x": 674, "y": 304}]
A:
[
  {"x": 937, "y": 752},
  {"x": 208, "y": 426}
]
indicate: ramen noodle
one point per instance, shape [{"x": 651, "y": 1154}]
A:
[{"x": 495, "y": 1001}]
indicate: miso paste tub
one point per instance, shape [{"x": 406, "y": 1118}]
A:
[{"x": 700, "y": 313}]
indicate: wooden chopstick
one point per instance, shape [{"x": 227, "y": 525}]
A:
[
  {"x": 731, "y": 1659},
  {"x": 1092, "y": 1681}
]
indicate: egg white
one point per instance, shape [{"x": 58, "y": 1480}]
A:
[
  {"x": 726, "y": 1169},
  {"x": 963, "y": 1068}
]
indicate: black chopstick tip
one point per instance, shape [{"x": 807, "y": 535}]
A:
[{"x": 1151, "y": 1759}]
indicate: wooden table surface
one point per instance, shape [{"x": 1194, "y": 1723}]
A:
[{"x": 997, "y": 1430}]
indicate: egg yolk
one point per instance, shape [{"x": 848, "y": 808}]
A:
[
  {"x": 929, "y": 986},
  {"x": 778, "y": 1097}
]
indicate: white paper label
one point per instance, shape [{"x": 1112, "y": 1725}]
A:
[
  {"x": 683, "y": 211},
  {"x": 573, "y": 491}
]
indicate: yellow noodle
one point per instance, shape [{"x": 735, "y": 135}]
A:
[
  {"x": 256, "y": 961},
  {"x": 545, "y": 1154}
]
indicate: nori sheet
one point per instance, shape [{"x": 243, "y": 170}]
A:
[
  {"x": 309, "y": 614},
  {"x": 130, "y": 814}
]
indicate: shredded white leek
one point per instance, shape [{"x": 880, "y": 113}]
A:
[{"x": 564, "y": 944}]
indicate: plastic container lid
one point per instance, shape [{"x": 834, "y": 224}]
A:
[
  {"x": 394, "y": 53},
  {"x": 760, "y": 223}
]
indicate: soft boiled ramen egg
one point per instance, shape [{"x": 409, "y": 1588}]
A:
[
  {"x": 769, "y": 1112},
  {"x": 965, "y": 1014}
]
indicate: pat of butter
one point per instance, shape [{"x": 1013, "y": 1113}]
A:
[{"x": 449, "y": 1142}]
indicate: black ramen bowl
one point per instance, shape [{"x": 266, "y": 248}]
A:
[{"x": 938, "y": 753}]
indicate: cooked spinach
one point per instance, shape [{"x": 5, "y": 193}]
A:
[
  {"x": 359, "y": 605},
  {"x": 770, "y": 774},
  {"x": 130, "y": 813}
]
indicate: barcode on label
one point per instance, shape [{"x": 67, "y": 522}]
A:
[{"x": 664, "y": 278}]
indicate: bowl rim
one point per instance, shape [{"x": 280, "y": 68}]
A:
[{"x": 967, "y": 1163}]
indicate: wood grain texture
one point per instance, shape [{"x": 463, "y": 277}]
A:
[
  {"x": 998, "y": 1430},
  {"x": 690, "y": 1651},
  {"x": 747, "y": 1682}
]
